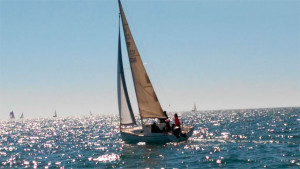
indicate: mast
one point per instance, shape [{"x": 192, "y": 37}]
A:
[{"x": 149, "y": 106}]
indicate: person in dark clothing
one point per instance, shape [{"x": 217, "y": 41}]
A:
[
  {"x": 166, "y": 121},
  {"x": 162, "y": 120},
  {"x": 155, "y": 128},
  {"x": 168, "y": 127}
]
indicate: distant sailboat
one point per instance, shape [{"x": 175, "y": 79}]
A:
[
  {"x": 55, "y": 114},
  {"x": 11, "y": 115},
  {"x": 194, "y": 108},
  {"x": 22, "y": 116},
  {"x": 149, "y": 106}
]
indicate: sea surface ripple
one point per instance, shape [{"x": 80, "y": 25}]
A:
[{"x": 254, "y": 138}]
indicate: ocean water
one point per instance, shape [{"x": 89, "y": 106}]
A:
[{"x": 256, "y": 138}]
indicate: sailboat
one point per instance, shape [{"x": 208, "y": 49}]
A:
[
  {"x": 11, "y": 115},
  {"x": 148, "y": 103},
  {"x": 22, "y": 116},
  {"x": 194, "y": 108},
  {"x": 55, "y": 114}
]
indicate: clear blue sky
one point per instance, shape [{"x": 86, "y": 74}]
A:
[{"x": 62, "y": 55}]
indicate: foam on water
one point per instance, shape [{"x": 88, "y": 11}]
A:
[{"x": 233, "y": 138}]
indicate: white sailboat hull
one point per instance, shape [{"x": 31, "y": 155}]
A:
[{"x": 134, "y": 135}]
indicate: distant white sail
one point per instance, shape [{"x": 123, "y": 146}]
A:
[
  {"x": 195, "y": 108},
  {"x": 125, "y": 110},
  {"x": 22, "y": 116},
  {"x": 55, "y": 114},
  {"x": 149, "y": 106}
]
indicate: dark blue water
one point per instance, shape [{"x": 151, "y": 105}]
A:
[{"x": 257, "y": 138}]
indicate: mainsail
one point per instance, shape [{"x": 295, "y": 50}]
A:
[
  {"x": 125, "y": 110},
  {"x": 148, "y": 103},
  {"x": 22, "y": 116}
]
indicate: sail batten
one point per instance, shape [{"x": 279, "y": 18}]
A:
[{"x": 149, "y": 106}]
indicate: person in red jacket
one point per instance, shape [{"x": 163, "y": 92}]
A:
[
  {"x": 177, "y": 122},
  {"x": 176, "y": 129}
]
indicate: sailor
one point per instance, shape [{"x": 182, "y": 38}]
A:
[
  {"x": 177, "y": 122},
  {"x": 155, "y": 128},
  {"x": 176, "y": 129},
  {"x": 163, "y": 119},
  {"x": 163, "y": 124},
  {"x": 168, "y": 127}
]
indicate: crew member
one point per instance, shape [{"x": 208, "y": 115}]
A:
[{"x": 177, "y": 122}]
